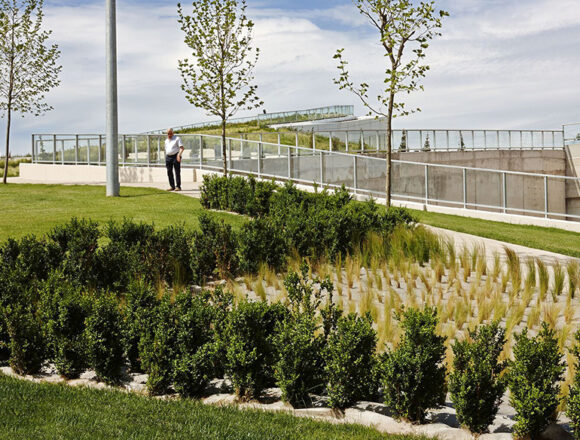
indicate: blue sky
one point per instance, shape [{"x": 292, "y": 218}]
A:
[{"x": 499, "y": 64}]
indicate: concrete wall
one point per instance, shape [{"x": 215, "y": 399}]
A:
[{"x": 96, "y": 174}]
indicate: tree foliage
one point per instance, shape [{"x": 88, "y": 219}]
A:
[
  {"x": 405, "y": 28},
  {"x": 28, "y": 66},
  {"x": 219, "y": 77}
]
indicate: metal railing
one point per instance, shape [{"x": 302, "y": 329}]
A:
[
  {"x": 313, "y": 114},
  {"x": 417, "y": 140},
  {"x": 432, "y": 184},
  {"x": 571, "y": 133}
]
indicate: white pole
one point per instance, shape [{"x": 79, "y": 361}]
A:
[{"x": 112, "y": 115}]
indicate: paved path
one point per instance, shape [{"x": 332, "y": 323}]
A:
[{"x": 192, "y": 189}]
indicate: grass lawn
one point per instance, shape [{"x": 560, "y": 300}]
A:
[
  {"x": 42, "y": 411},
  {"x": 36, "y": 209},
  {"x": 549, "y": 239}
]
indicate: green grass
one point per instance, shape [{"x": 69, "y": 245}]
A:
[
  {"x": 13, "y": 166},
  {"x": 548, "y": 239},
  {"x": 47, "y": 411},
  {"x": 36, "y": 209}
]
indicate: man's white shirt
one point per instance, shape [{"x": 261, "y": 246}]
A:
[{"x": 173, "y": 145}]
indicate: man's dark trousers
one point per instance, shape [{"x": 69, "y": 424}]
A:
[{"x": 171, "y": 163}]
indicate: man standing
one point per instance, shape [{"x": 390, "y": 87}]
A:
[{"x": 173, "y": 151}]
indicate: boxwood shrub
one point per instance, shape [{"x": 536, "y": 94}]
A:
[
  {"x": 573, "y": 404},
  {"x": 413, "y": 374},
  {"x": 250, "y": 354},
  {"x": 534, "y": 381},
  {"x": 476, "y": 383},
  {"x": 350, "y": 356}
]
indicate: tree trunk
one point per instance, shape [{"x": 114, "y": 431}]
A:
[
  {"x": 389, "y": 151},
  {"x": 8, "y": 121},
  {"x": 224, "y": 156}
]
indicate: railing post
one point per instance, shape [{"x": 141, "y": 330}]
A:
[
  {"x": 54, "y": 148},
  {"x": 434, "y": 139},
  {"x": 321, "y": 169},
  {"x": 230, "y": 154},
  {"x": 420, "y": 139},
  {"x": 378, "y": 140},
  {"x": 99, "y": 158},
  {"x": 32, "y": 153},
  {"x": 546, "y": 196},
  {"x": 346, "y": 140},
  {"x": 313, "y": 140},
  {"x": 289, "y": 163},
  {"x": 497, "y": 137},
  {"x": 148, "y": 150},
  {"x": 158, "y": 149},
  {"x": 88, "y": 150},
  {"x": 484, "y": 140},
  {"x": 426, "y": 184},
  {"x": 521, "y": 139},
  {"x": 464, "y": 188},
  {"x": 296, "y": 135},
  {"x": 510, "y": 139},
  {"x": 200, "y": 151},
  {"x": 330, "y": 141},
  {"x": 355, "y": 174},
  {"x": 504, "y": 189},
  {"x": 62, "y": 148},
  {"x": 76, "y": 149},
  {"x": 473, "y": 140},
  {"x": 279, "y": 153},
  {"x": 124, "y": 149},
  {"x": 241, "y": 146},
  {"x": 260, "y": 158},
  {"x": 136, "y": 148},
  {"x": 362, "y": 141},
  {"x": 447, "y": 136}
]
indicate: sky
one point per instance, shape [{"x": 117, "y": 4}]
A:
[{"x": 499, "y": 64}]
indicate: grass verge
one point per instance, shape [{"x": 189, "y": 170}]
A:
[
  {"x": 30, "y": 410},
  {"x": 36, "y": 209},
  {"x": 548, "y": 239}
]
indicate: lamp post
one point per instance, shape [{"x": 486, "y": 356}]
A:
[{"x": 112, "y": 135}]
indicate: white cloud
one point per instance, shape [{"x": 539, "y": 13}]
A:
[{"x": 504, "y": 64}]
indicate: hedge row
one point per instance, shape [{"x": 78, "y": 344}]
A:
[
  {"x": 183, "y": 340},
  {"x": 315, "y": 224}
]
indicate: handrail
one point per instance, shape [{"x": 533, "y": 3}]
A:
[{"x": 458, "y": 185}]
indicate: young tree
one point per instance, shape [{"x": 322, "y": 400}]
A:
[
  {"x": 403, "y": 25},
  {"x": 218, "y": 79},
  {"x": 28, "y": 67}
]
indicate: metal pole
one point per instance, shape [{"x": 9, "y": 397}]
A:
[
  {"x": 88, "y": 150},
  {"x": 289, "y": 163},
  {"x": 426, "y": 184},
  {"x": 100, "y": 146},
  {"x": 321, "y": 169},
  {"x": 76, "y": 149},
  {"x": 279, "y": 153},
  {"x": 346, "y": 140},
  {"x": 148, "y": 150},
  {"x": 546, "y": 196},
  {"x": 54, "y": 148},
  {"x": 355, "y": 175},
  {"x": 464, "y": 188},
  {"x": 112, "y": 115},
  {"x": 33, "y": 161},
  {"x": 330, "y": 141},
  {"x": 504, "y": 186}
]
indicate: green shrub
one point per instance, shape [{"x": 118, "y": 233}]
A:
[
  {"x": 534, "y": 381},
  {"x": 476, "y": 384},
  {"x": 250, "y": 355},
  {"x": 28, "y": 259},
  {"x": 77, "y": 243},
  {"x": 573, "y": 404},
  {"x": 193, "y": 358},
  {"x": 413, "y": 375},
  {"x": 114, "y": 266},
  {"x": 174, "y": 254},
  {"x": 138, "y": 312},
  {"x": 158, "y": 347},
  {"x": 299, "y": 366},
  {"x": 103, "y": 334},
  {"x": 222, "y": 305},
  {"x": 214, "y": 250},
  {"x": 261, "y": 242},
  {"x": 64, "y": 311},
  {"x": 27, "y": 343},
  {"x": 350, "y": 356}
]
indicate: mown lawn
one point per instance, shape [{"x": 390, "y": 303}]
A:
[
  {"x": 47, "y": 411},
  {"x": 549, "y": 239},
  {"x": 36, "y": 209}
]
